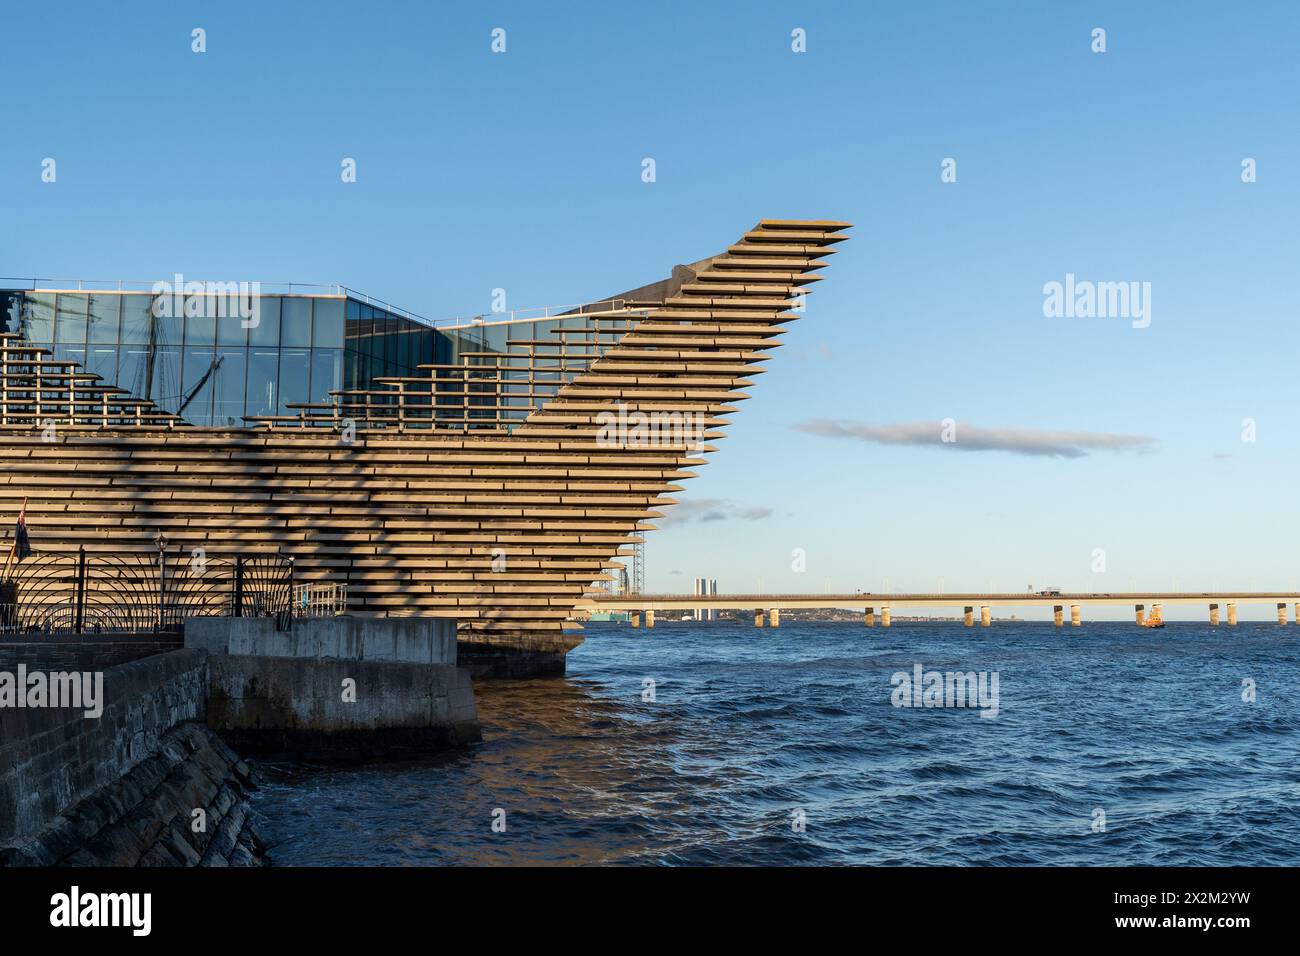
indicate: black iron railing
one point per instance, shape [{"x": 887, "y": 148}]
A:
[{"x": 138, "y": 592}]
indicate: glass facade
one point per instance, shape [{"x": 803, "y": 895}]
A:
[
  {"x": 208, "y": 368},
  {"x": 205, "y": 366}
]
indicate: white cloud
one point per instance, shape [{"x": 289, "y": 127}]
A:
[
  {"x": 712, "y": 509},
  {"x": 1019, "y": 441}
]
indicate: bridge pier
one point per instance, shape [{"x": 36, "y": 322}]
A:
[
  {"x": 1139, "y": 614},
  {"x": 884, "y": 617},
  {"x": 986, "y": 618},
  {"x": 1232, "y": 614},
  {"x": 970, "y": 616},
  {"x": 869, "y": 617},
  {"x": 649, "y": 618},
  {"x": 1281, "y": 612},
  {"x": 1075, "y": 617},
  {"x": 1058, "y": 614},
  {"x": 634, "y": 618},
  {"x": 774, "y": 617},
  {"x": 758, "y": 618},
  {"x": 1214, "y": 615},
  {"x": 1297, "y": 613}
]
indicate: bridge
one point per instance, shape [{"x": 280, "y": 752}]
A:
[{"x": 767, "y": 608}]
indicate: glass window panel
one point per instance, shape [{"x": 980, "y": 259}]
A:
[
  {"x": 102, "y": 360},
  {"x": 263, "y": 382},
  {"x": 70, "y": 353},
  {"x": 136, "y": 319},
  {"x": 357, "y": 324},
  {"x": 267, "y": 330},
  {"x": 169, "y": 330},
  {"x": 38, "y": 318},
  {"x": 141, "y": 327},
  {"x": 197, "y": 383},
  {"x": 231, "y": 331},
  {"x": 353, "y": 369},
  {"x": 326, "y": 373},
  {"x": 295, "y": 322},
  {"x": 105, "y": 322},
  {"x": 327, "y": 325},
  {"x": 158, "y": 380},
  {"x": 10, "y": 308},
  {"x": 131, "y": 364},
  {"x": 295, "y": 369},
  {"x": 228, "y": 388},
  {"x": 200, "y": 330},
  {"x": 71, "y": 328}
]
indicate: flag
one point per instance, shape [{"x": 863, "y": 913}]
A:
[{"x": 22, "y": 545}]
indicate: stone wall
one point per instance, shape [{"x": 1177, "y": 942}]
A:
[
  {"x": 152, "y": 782},
  {"x": 121, "y": 789},
  {"x": 83, "y": 653},
  {"x": 186, "y": 804},
  {"x": 51, "y": 758}
]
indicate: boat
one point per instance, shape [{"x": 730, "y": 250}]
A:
[{"x": 1155, "y": 620}]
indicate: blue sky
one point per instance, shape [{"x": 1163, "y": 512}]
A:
[{"x": 522, "y": 171}]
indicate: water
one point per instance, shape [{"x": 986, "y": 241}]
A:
[{"x": 748, "y": 727}]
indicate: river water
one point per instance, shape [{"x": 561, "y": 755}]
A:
[{"x": 1110, "y": 745}]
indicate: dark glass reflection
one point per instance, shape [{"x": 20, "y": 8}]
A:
[
  {"x": 326, "y": 372},
  {"x": 213, "y": 371},
  {"x": 295, "y": 372},
  {"x": 228, "y": 387}
]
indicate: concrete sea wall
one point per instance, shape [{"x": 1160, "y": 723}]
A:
[
  {"x": 145, "y": 783},
  {"x": 153, "y": 779},
  {"x": 336, "y": 688}
]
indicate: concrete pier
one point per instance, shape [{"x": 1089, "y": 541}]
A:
[
  {"x": 869, "y": 617},
  {"x": 635, "y": 618},
  {"x": 758, "y": 618},
  {"x": 335, "y": 687},
  {"x": 970, "y": 616},
  {"x": 1058, "y": 615},
  {"x": 649, "y": 618},
  {"x": 1139, "y": 614},
  {"x": 1281, "y": 613},
  {"x": 774, "y": 617},
  {"x": 1232, "y": 614},
  {"x": 1076, "y": 618},
  {"x": 1297, "y": 613},
  {"x": 884, "y": 617},
  {"x": 986, "y": 615},
  {"x": 1214, "y": 615}
]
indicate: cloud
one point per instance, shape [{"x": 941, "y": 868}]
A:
[
  {"x": 711, "y": 509},
  {"x": 1035, "y": 442}
]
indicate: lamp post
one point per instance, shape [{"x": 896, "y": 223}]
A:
[{"x": 160, "y": 541}]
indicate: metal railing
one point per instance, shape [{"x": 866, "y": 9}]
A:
[
  {"x": 140, "y": 592},
  {"x": 42, "y": 284},
  {"x": 320, "y": 599},
  {"x": 605, "y": 307}
]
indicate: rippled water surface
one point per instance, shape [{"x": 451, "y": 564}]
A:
[{"x": 750, "y": 726}]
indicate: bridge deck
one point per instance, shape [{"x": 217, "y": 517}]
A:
[{"x": 686, "y": 602}]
